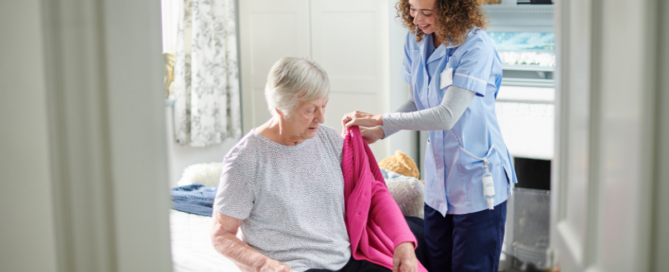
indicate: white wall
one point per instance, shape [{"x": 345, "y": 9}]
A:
[
  {"x": 399, "y": 93},
  {"x": 349, "y": 39},
  {"x": 179, "y": 157},
  {"x": 27, "y": 238}
]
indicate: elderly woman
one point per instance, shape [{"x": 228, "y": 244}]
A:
[{"x": 283, "y": 184}]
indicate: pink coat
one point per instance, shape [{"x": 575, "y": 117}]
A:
[{"x": 374, "y": 222}]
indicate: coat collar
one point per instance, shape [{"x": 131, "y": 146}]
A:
[{"x": 427, "y": 46}]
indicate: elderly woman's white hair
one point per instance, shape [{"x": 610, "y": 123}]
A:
[{"x": 293, "y": 79}]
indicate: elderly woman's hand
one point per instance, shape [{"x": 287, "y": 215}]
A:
[
  {"x": 270, "y": 265},
  {"x": 363, "y": 119},
  {"x": 404, "y": 258}
]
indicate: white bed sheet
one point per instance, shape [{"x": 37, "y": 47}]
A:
[{"x": 192, "y": 250}]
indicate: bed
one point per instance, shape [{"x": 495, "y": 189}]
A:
[
  {"x": 190, "y": 233},
  {"x": 191, "y": 245}
]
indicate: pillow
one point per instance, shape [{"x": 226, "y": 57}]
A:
[
  {"x": 408, "y": 193},
  {"x": 207, "y": 174}
]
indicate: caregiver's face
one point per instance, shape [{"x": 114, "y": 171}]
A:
[
  {"x": 424, "y": 13},
  {"x": 303, "y": 122}
]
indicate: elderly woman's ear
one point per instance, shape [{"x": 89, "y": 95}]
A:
[{"x": 278, "y": 112}]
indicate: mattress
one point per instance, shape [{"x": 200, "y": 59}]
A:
[{"x": 191, "y": 245}]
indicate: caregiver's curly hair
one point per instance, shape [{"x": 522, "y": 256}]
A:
[{"x": 454, "y": 19}]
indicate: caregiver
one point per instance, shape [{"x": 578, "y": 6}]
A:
[{"x": 454, "y": 71}]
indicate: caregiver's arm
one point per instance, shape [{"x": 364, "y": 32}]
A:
[
  {"x": 409, "y": 106},
  {"x": 443, "y": 117},
  {"x": 373, "y": 132},
  {"x": 224, "y": 238}
]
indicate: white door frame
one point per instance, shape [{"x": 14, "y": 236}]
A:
[
  {"x": 660, "y": 235},
  {"x": 106, "y": 120},
  {"x": 611, "y": 154},
  {"x": 106, "y": 143}
]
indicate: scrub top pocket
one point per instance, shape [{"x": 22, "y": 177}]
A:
[
  {"x": 435, "y": 191},
  {"x": 472, "y": 168},
  {"x": 507, "y": 172}
]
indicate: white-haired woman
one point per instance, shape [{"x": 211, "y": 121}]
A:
[{"x": 283, "y": 184}]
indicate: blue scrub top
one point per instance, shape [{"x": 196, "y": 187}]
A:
[{"x": 453, "y": 177}]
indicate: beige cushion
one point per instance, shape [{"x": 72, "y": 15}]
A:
[{"x": 400, "y": 163}]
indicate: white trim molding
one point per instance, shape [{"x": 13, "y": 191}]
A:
[{"x": 605, "y": 188}]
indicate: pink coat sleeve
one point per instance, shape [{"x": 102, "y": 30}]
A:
[
  {"x": 374, "y": 222},
  {"x": 388, "y": 216}
]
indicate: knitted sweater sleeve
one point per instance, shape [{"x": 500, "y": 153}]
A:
[{"x": 385, "y": 213}]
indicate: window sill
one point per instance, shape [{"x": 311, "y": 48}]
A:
[{"x": 169, "y": 102}]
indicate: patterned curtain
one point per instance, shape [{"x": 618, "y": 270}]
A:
[{"x": 206, "y": 78}]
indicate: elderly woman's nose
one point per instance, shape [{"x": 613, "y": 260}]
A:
[{"x": 320, "y": 115}]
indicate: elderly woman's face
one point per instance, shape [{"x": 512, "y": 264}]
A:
[{"x": 303, "y": 122}]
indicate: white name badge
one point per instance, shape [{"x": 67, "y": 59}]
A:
[{"x": 446, "y": 78}]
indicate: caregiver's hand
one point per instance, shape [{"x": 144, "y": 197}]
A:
[
  {"x": 371, "y": 135},
  {"x": 404, "y": 259},
  {"x": 363, "y": 119}
]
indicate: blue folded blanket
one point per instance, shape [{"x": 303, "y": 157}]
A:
[{"x": 194, "y": 199}]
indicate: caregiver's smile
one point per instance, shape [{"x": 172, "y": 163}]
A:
[{"x": 423, "y": 14}]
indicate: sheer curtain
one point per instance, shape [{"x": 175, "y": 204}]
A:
[{"x": 206, "y": 78}]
